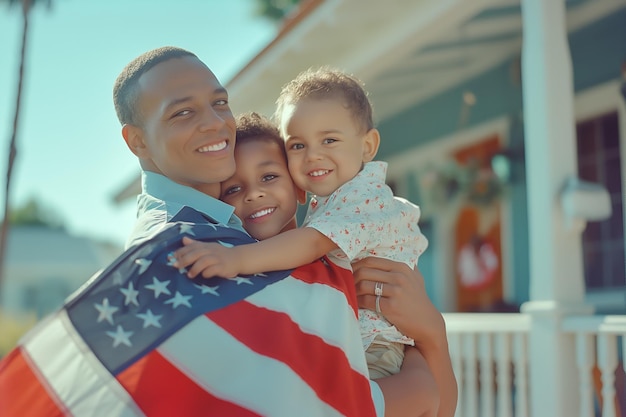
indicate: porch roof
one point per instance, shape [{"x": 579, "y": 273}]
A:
[{"x": 404, "y": 51}]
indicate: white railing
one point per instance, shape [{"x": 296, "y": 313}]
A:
[{"x": 490, "y": 358}]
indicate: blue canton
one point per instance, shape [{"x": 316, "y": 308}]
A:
[{"x": 141, "y": 299}]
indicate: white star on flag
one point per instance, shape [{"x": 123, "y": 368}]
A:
[
  {"x": 179, "y": 299},
  {"x": 242, "y": 280},
  {"x": 205, "y": 289},
  {"x": 150, "y": 319},
  {"x": 187, "y": 228},
  {"x": 143, "y": 264},
  {"x": 159, "y": 287},
  {"x": 131, "y": 295},
  {"x": 171, "y": 260},
  {"x": 106, "y": 311},
  {"x": 120, "y": 336}
]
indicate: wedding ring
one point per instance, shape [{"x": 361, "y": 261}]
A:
[
  {"x": 378, "y": 289},
  {"x": 378, "y": 304}
]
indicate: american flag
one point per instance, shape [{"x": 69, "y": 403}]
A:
[{"x": 141, "y": 339}]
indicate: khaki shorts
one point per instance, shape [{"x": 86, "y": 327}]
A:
[{"x": 384, "y": 358}]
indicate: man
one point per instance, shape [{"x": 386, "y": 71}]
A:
[{"x": 288, "y": 344}]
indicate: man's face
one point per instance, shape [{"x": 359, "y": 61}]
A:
[
  {"x": 188, "y": 129},
  {"x": 262, "y": 192}
]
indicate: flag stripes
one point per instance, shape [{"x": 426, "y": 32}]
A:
[{"x": 141, "y": 339}]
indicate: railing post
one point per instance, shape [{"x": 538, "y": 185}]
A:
[{"x": 556, "y": 278}]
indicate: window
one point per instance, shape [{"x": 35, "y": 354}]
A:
[{"x": 603, "y": 242}]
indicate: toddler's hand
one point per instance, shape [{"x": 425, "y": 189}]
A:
[{"x": 208, "y": 259}]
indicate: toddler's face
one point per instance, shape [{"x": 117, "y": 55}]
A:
[
  {"x": 326, "y": 147},
  {"x": 262, "y": 192}
]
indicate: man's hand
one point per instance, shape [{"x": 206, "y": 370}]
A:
[
  {"x": 405, "y": 303},
  {"x": 206, "y": 259}
]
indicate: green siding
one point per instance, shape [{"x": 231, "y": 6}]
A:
[{"x": 597, "y": 52}]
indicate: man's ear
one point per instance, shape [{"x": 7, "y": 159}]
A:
[
  {"x": 133, "y": 136},
  {"x": 370, "y": 145},
  {"x": 301, "y": 194}
]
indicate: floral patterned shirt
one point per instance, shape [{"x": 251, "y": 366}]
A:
[{"x": 364, "y": 218}]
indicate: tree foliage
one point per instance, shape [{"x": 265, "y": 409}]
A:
[
  {"x": 275, "y": 10},
  {"x": 33, "y": 213}
]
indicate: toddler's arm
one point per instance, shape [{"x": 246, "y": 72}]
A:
[{"x": 284, "y": 251}]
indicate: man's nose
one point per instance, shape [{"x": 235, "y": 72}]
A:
[{"x": 211, "y": 120}]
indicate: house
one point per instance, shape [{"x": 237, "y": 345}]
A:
[
  {"x": 45, "y": 265},
  {"x": 446, "y": 82},
  {"x": 506, "y": 121}
]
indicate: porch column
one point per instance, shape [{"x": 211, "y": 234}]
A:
[{"x": 556, "y": 273}]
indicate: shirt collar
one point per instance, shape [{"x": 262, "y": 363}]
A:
[{"x": 163, "y": 188}]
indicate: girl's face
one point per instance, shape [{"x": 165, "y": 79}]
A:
[
  {"x": 262, "y": 192},
  {"x": 325, "y": 145}
]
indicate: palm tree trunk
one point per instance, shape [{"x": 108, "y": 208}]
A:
[{"x": 4, "y": 230}]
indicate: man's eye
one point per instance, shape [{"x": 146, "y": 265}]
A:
[
  {"x": 269, "y": 177},
  {"x": 182, "y": 113},
  {"x": 222, "y": 102}
]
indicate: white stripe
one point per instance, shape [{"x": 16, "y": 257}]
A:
[
  {"x": 233, "y": 372},
  {"x": 77, "y": 377},
  {"x": 313, "y": 306}
]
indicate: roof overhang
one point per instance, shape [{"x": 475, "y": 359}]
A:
[{"x": 405, "y": 51}]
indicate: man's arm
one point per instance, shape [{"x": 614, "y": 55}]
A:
[
  {"x": 406, "y": 305},
  {"x": 287, "y": 250},
  {"x": 413, "y": 391}
]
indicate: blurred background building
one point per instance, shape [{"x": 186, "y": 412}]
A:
[{"x": 445, "y": 79}]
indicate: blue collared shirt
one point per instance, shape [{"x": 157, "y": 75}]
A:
[{"x": 161, "y": 198}]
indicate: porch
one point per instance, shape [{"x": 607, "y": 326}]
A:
[{"x": 497, "y": 376}]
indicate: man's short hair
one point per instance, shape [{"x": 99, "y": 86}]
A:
[
  {"x": 252, "y": 126},
  {"x": 328, "y": 83},
  {"x": 126, "y": 87}
]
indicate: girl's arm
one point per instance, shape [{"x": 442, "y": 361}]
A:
[{"x": 287, "y": 250}]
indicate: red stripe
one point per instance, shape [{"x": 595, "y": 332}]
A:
[
  {"x": 323, "y": 367},
  {"x": 332, "y": 275},
  {"x": 161, "y": 389},
  {"x": 21, "y": 392}
]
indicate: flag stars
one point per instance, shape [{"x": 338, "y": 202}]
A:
[
  {"x": 144, "y": 264},
  {"x": 171, "y": 260},
  {"x": 159, "y": 287},
  {"x": 187, "y": 228},
  {"x": 120, "y": 336},
  {"x": 117, "y": 278},
  {"x": 206, "y": 289},
  {"x": 179, "y": 300},
  {"x": 130, "y": 294},
  {"x": 227, "y": 245},
  {"x": 150, "y": 319},
  {"x": 106, "y": 311},
  {"x": 242, "y": 280}
]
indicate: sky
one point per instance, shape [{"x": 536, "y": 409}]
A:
[{"x": 71, "y": 157}]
